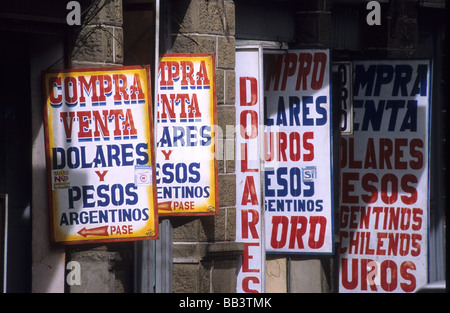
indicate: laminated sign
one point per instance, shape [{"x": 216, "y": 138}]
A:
[
  {"x": 383, "y": 220},
  {"x": 99, "y": 143},
  {"x": 298, "y": 197},
  {"x": 186, "y": 166}
]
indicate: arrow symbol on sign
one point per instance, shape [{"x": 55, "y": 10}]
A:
[
  {"x": 165, "y": 206},
  {"x": 97, "y": 231}
]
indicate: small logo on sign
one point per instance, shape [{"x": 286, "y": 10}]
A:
[
  {"x": 143, "y": 175},
  {"x": 60, "y": 179},
  {"x": 309, "y": 173}
]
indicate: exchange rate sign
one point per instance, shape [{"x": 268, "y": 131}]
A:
[
  {"x": 383, "y": 223},
  {"x": 298, "y": 194},
  {"x": 185, "y": 129},
  {"x": 99, "y": 144}
]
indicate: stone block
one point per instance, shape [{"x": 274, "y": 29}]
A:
[
  {"x": 226, "y": 52},
  {"x": 110, "y": 13},
  {"x": 229, "y": 156},
  {"x": 99, "y": 45},
  {"x": 102, "y": 271},
  {"x": 184, "y": 16},
  {"x": 205, "y": 276},
  {"x": 224, "y": 275},
  {"x": 185, "y": 229},
  {"x": 313, "y": 28},
  {"x": 230, "y": 87},
  {"x": 115, "y": 51},
  {"x": 227, "y": 190},
  {"x": 230, "y": 29},
  {"x": 185, "y": 43},
  {"x": 230, "y": 230},
  {"x": 207, "y": 228},
  {"x": 91, "y": 45},
  {"x": 185, "y": 278},
  {"x": 220, "y": 86},
  {"x": 219, "y": 225},
  {"x": 207, "y": 44},
  {"x": 211, "y": 17},
  {"x": 226, "y": 117}
]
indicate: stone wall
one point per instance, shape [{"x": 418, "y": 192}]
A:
[
  {"x": 98, "y": 43},
  {"x": 204, "y": 251}
]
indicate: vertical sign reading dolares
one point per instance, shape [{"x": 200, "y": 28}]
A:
[
  {"x": 186, "y": 118},
  {"x": 248, "y": 181},
  {"x": 100, "y": 165},
  {"x": 384, "y": 179},
  {"x": 298, "y": 153}
]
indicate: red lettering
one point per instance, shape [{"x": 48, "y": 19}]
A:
[
  {"x": 83, "y": 120},
  {"x": 202, "y": 75},
  {"x": 243, "y": 91},
  {"x": 399, "y": 143},
  {"x": 367, "y": 276},
  {"x": 370, "y": 160},
  {"x": 70, "y": 91},
  {"x": 253, "y": 124},
  {"x": 405, "y": 181},
  {"x": 345, "y": 281},
  {"x": 321, "y": 222},
  {"x": 297, "y": 233},
  {"x": 249, "y": 193},
  {"x": 320, "y": 64},
  {"x": 244, "y": 159},
  {"x": 404, "y": 267},
  {"x": 418, "y": 164},
  {"x": 128, "y": 125},
  {"x": 352, "y": 163},
  {"x": 276, "y": 222},
  {"x": 282, "y": 146},
  {"x": 308, "y": 146},
  {"x": 246, "y": 257},
  {"x": 366, "y": 180},
  {"x": 280, "y": 143},
  {"x": 304, "y": 60},
  {"x": 121, "y": 87},
  {"x": 348, "y": 187},
  {"x": 417, "y": 219},
  {"x": 108, "y": 88},
  {"x": 302, "y": 66},
  {"x": 388, "y": 268},
  {"x": 67, "y": 124},
  {"x": 246, "y": 284},
  {"x": 246, "y": 225},
  {"x": 290, "y": 64},
  {"x": 389, "y": 180},
  {"x": 298, "y": 227},
  {"x": 187, "y": 71},
  {"x": 53, "y": 83},
  {"x": 385, "y": 146}
]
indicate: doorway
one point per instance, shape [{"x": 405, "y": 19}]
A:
[{"x": 15, "y": 155}]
